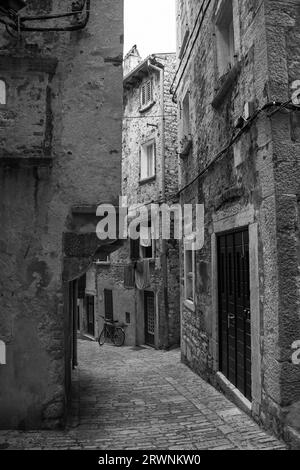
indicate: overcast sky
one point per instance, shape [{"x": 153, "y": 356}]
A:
[{"x": 150, "y": 24}]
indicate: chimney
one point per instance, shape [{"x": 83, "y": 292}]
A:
[{"x": 131, "y": 60}]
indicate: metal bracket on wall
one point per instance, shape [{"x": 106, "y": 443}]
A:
[{"x": 15, "y": 23}]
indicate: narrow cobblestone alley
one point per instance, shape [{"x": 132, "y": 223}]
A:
[{"x": 140, "y": 398}]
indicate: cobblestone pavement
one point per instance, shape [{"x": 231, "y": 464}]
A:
[{"x": 139, "y": 398}]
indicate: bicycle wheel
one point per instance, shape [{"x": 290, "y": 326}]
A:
[
  {"x": 102, "y": 337},
  {"x": 119, "y": 336}
]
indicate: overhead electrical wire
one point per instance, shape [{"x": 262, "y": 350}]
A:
[
  {"x": 279, "y": 107},
  {"x": 239, "y": 134},
  {"x": 204, "y": 11},
  {"x": 148, "y": 117}
]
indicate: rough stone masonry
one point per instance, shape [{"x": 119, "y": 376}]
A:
[
  {"x": 60, "y": 149},
  {"x": 255, "y": 186}
]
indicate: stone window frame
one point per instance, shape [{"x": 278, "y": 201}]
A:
[
  {"x": 223, "y": 223},
  {"x": 226, "y": 80},
  {"x": 148, "y": 178},
  {"x": 189, "y": 301},
  {"x": 225, "y": 36}
]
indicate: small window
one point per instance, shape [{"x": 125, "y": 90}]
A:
[
  {"x": 127, "y": 317},
  {"x": 147, "y": 249},
  {"x": 225, "y": 37},
  {"x": 146, "y": 93},
  {"x": 147, "y": 161},
  {"x": 2, "y": 92},
  {"x": 189, "y": 275}
]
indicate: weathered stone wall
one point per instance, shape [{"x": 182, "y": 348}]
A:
[
  {"x": 282, "y": 378},
  {"x": 60, "y": 146},
  {"x": 136, "y": 131},
  {"x": 260, "y": 174}
]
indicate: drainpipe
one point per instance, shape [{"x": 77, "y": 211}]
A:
[{"x": 164, "y": 261}]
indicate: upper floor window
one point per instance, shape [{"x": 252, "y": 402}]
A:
[
  {"x": 147, "y": 163},
  {"x": 143, "y": 248},
  {"x": 184, "y": 40},
  {"x": 146, "y": 93},
  {"x": 147, "y": 249},
  {"x": 225, "y": 37},
  {"x": 2, "y": 92}
]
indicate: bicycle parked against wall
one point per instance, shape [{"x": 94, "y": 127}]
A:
[{"x": 113, "y": 332}]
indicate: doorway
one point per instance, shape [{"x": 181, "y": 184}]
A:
[
  {"x": 234, "y": 309},
  {"x": 149, "y": 312},
  {"x": 90, "y": 313}
]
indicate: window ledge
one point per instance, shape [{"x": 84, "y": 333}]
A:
[
  {"x": 225, "y": 84},
  {"x": 145, "y": 108},
  {"x": 147, "y": 180},
  {"x": 190, "y": 305}
]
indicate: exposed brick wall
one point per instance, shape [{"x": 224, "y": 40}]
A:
[{"x": 64, "y": 107}]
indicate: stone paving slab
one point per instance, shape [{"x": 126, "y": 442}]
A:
[{"x": 131, "y": 398}]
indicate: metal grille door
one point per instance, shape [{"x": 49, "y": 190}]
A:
[
  {"x": 234, "y": 309},
  {"x": 149, "y": 309}
]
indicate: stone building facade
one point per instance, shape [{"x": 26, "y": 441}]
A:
[
  {"x": 60, "y": 157},
  {"x": 151, "y": 314},
  {"x": 238, "y": 70}
]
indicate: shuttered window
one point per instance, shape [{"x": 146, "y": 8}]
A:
[{"x": 146, "y": 93}]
